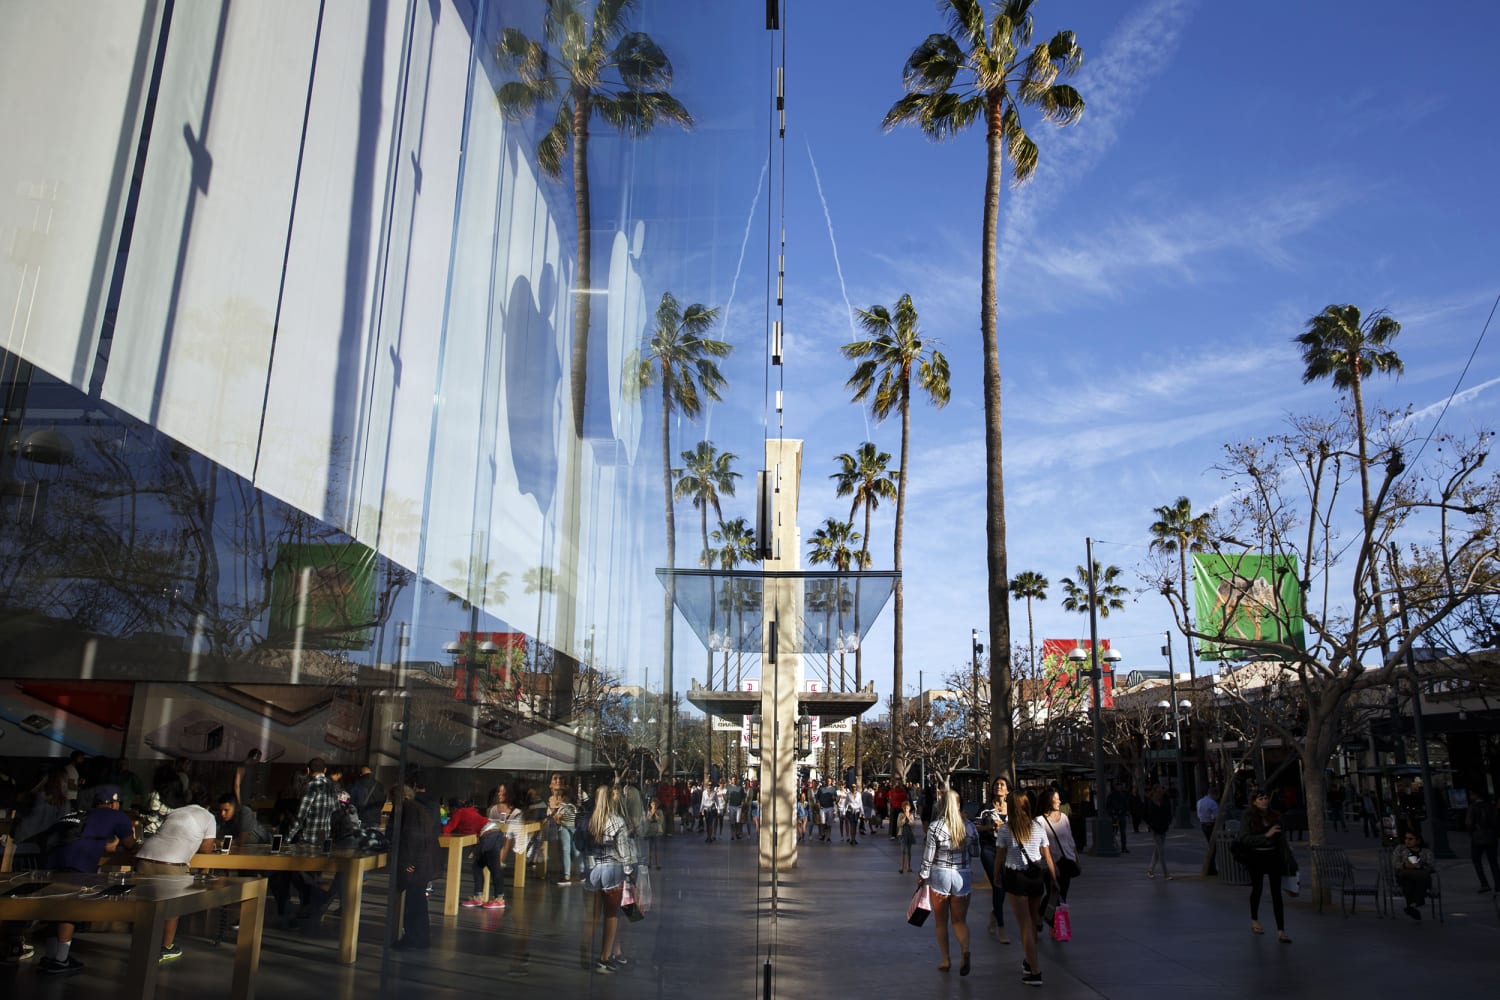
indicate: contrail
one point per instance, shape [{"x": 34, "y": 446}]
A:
[
  {"x": 708, "y": 412},
  {"x": 837, "y": 267}
]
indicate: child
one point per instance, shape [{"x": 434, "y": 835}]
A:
[
  {"x": 651, "y": 832},
  {"x": 906, "y": 835}
]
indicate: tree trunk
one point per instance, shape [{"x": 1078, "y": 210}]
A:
[
  {"x": 899, "y": 595},
  {"x": 1002, "y": 743},
  {"x": 669, "y": 600}
]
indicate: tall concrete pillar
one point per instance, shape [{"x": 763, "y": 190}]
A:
[{"x": 781, "y": 670}]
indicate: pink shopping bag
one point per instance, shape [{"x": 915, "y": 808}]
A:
[
  {"x": 920, "y": 907},
  {"x": 1062, "y": 924}
]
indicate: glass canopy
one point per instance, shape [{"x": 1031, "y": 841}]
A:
[{"x": 725, "y": 608}]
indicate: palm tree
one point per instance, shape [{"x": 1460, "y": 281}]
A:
[
  {"x": 705, "y": 477},
  {"x": 584, "y": 66},
  {"x": 736, "y": 545},
  {"x": 1336, "y": 345},
  {"x": 1108, "y": 594},
  {"x": 1177, "y": 529},
  {"x": 1030, "y": 586},
  {"x": 595, "y": 67},
  {"x": 883, "y": 376},
  {"x": 865, "y": 476},
  {"x": 682, "y": 359},
  {"x": 834, "y": 545},
  {"x": 951, "y": 80}
]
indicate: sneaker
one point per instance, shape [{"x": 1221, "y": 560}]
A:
[
  {"x": 498, "y": 903},
  {"x": 1025, "y": 967},
  {"x": 604, "y": 968},
  {"x": 69, "y": 966},
  {"x": 564, "y": 881},
  {"x": 171, "y": 954},
  {"x": 1031, "y": 979},
  {"x": 21, "y": 952},
  {"x": 473, "y": 901}
]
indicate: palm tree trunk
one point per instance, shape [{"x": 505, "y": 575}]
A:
[
  {"x": 899, "y": 596},
  {"x": 669, "y": 601},
  {"x": 1002, "y": 749}
]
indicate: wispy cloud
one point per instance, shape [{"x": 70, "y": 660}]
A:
[{"x": 1112, "y": 86}]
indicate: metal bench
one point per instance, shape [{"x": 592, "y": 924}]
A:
[{"x": 1336, "y": 873}]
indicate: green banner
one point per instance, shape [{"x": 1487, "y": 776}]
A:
[
  {"x": 1246, "y": 597},
  {"x": 326, "y": 590}
]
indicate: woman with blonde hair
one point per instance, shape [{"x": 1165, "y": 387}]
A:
[
  {"x": 614, "y": 866},
  {"x": 1024, "y": 845},
  {"x": 945, "y": 872}
]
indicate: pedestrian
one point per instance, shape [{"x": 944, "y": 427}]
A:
[
  {"x": 420, "y": 864},
  {"x": 906, "y": 834},
  {"x": 945, "y": 872},
  {"x": 1484, "y": 834},
  {"x": 1208, "y": 817},
  {"x": 651, "y": 828},
  {"x": 991, "y": 819},
  {"x": 562, "y": 814},
  {"x": 1059, "y": 840},
  {"x": 1413, "y": 865},
  {"x": 1264, "y": 851},
  {"x": 1116, "y": 805},
  {"x": 1369, "y": 813},
  {"x": 186, "y": 831},
  {"x": 613, "y": 868},
  {"x": 1025, "y": 860},
  {"x": 1158, "y": 821}
]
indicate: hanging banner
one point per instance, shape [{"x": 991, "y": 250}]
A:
[{"x": 1246, "y": 597}]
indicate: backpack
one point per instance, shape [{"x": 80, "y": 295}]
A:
[{"x": 53, "y": 841}]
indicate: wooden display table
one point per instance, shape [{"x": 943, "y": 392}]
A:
[
  {"x": 455, "y": 845},
  {"x": 154, "y": 900},
  {"x": 351, "y": 864}
]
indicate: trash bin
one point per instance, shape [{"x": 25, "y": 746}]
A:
[{"x": 1231, "y": 871}]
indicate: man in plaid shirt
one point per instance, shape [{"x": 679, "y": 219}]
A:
[{"x": 314, "y": 822}]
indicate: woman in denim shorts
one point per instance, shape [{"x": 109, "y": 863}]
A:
[{"x": 945, "y": 871}]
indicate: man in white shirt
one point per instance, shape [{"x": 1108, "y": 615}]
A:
[
  {"x": 72, "y": 779},
  {"x": 183, "y": 833},
  {"x": 1208, "y": 814}
]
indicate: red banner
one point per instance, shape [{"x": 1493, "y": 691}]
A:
[{"x": 1061, "y": 671}]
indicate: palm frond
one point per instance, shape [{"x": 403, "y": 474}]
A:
[
  {"x": 1066, "y": 52},
  {"x": 642, "y": 63},
  {"x": 1061, "y": 104},
  {"x": 966, "y": 19},
  {"x": 520, "y": 99},
  {"x": 1039, "y": 74},
  {"x": 1019, "y": 147},
  {"x": 610, "y": 20},
  {"x": 932, "y": 376},
  {"x": 910, "y": 108},
  {"x": 552, "y": 149},
  {"x": 638, "y": 112},
  {"x": 951, "y": 113},
  {"x": 933, "y": 65},
  {"x": 523, "y": 56}
]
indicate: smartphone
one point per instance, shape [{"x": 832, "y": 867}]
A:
[
  {"x": 118, "y": 890},
  {"x": 276, "y": 840},
  {"x": 328, "y": 845},
  {"x": 225, "y": 842},
  {"x": 27, "y": 888}
]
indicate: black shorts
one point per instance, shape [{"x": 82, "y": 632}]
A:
[{"x": 1015, "y": 882}]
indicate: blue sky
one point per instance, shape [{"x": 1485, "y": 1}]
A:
[{"x": 1235, "y": 172}]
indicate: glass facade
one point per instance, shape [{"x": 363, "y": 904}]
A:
[{"x": 300, "y": 405}]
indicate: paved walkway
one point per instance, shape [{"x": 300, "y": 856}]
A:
[{"x": 842, "y": 931}]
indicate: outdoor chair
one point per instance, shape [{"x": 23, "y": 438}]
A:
[
  {"x": 1334, "y": 872},
  {"x": 1395, "y": 900}
]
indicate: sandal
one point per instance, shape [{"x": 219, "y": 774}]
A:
[
  {"x": 1281, "y": 936},
  {"x": 1256, "y": 928},
  {"x": 944, "y": 965}
]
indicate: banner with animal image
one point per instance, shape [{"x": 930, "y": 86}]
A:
[{"x": 1250, "y": 597}]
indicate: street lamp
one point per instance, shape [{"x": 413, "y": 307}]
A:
[
  {"x": 1104, "y": 834},
  {"x": 976, "y": 648}
]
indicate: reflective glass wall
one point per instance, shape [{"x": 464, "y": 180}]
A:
[{"x": 300, "y": 405}]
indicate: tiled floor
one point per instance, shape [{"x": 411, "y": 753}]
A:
[{"x": 840, "y": 930}]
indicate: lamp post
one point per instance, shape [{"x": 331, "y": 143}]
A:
[
  {"x": 975, "y": 648},
  {"x": 1104, "y": 834},
  {"x": 1188, "y": 793}
]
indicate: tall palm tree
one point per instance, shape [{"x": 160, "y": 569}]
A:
[
  {"x": 1109, "y": 595},
  {"x": 1030, "y": 586},
  {"x": 980, "y": 70},
  {"x": 1340, "y": 347},
  {"x": 866, "y": 477},
  {"x": 585, "y": 66},
  {"x": 837, "y": 544},
  {"x": 892, "y": 354},
  {"x": 1178, "y": 530},
  {"x": 680, "y": 357},
  {"x": 736, "y": 545},
  {"x": 707, "y": 475}
]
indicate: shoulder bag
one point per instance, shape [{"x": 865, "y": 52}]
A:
[{"x": 1066, "y": 867}]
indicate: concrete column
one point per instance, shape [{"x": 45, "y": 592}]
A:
[{"x": 781, "y": 670}]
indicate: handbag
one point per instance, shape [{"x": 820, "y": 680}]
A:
[
  {"x": 629, "y": 906},
  {"x": 1025, "y": 881},
  {"x": 919, "y": 907},
  {"x": 1062, "y": 924},
  {"x": 1291, "y": 884}
]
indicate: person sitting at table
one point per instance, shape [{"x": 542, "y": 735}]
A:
[
  {"x": 104, "y": 828},
  {"x": 239, "y": 821},
  {"x": 1413, "y": 864},
  {"x": 183, "y": 833}
]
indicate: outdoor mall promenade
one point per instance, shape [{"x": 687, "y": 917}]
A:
[{"x": 842, "y": 932}]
